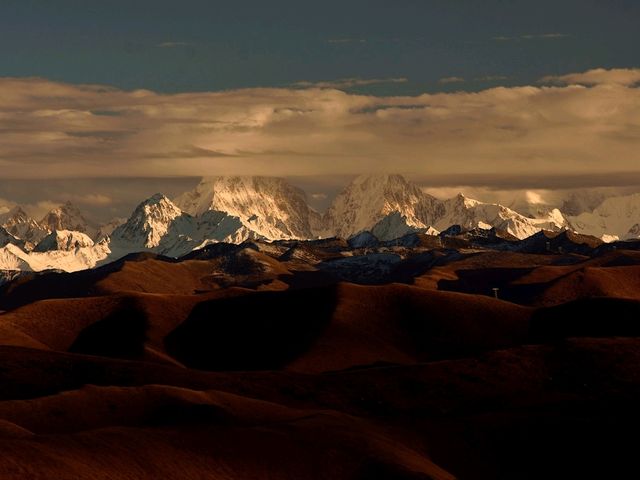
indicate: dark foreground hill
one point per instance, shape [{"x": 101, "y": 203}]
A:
[{"x": 315, "y": 360}]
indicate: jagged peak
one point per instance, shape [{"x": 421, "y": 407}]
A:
[
  {"x": 242, "y": 178},
  {"x": 16, "y": 212},
  {"x": 379, "y": 178},
  {"x": 462, "y": 200},
  {"x": 65, "y": 209},
  {"x": 157, "y": 206},
  {"x": 66, "y": 240},
  {"x": 213, "y": 185},
  {"x": 156, "y": 199},
  {"x": 385, "y": 182},
  {"x": 269, "y": 206},
  {"x": 67, "y": 206}
]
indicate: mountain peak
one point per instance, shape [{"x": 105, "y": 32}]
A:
[
  {"x": 7, "y": 238},
  {"x": 380, "y": 181},
  {"x": 67, "y": 217},
  {"x": 370, "y": 198},
  {"x": 19, "y": 224},
  {"x": 158, "y": 207},
  {"x": 64, "y": 240},
  {"x": 269, "y": 206},
  {"x": 16, "y": 212},
  {"x": 149, "y": 222},
  {"x": 156, "y": 199}
]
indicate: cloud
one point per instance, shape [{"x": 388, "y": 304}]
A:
[
  {"x": 491, "y": 78},
  {"x": 50, "y": 129},
  {"x": 174, "y": 44},
  {"x": 39, "y": 208},
  {"x": 599, "y": 76},
  {"x": 346, "y": 83},
  {"x": 539, "y": 36},
  {"x": 92, "y": 199},
  {"x": 447, "y": 80},
  {"x": 6, "y": 205},
  {"x": 319, "y": 196}
]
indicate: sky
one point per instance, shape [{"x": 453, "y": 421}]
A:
[{"x": 107, "y": 100}]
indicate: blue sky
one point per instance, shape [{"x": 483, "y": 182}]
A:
[
  {"x": 195, "y": 45},
  {"x": 401, "y": 86}
]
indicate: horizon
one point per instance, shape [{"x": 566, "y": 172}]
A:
[{"x": 103, "y": 199}]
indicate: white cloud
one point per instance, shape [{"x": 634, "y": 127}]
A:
[
  {"x": 447, "y": 80},
  {"x": 491, "y": 78},
  {"x": 346, "y": 83},
  {"x": 6, "y": 205},
  {"x": 52, "y": 129},
  {"x": 599, "y": 76},
  {"x": 535, "y": 197},
  {"x": 92, "y": 199}
]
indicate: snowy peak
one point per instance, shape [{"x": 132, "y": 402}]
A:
[
  {"x": 6, "y": 238},
  {"x": 63, "y": 253},
  {"x": 615, "y": 216},
  {"x": 19, "y": 224},
  {"x": 395, "y": 226},
  {"x": 67, "y": 217},
  {"x": 12, "y": 258},
  {"x": 470, "y": 214},
  {"x": 370, "y": 198},
  {"x": 64, "y": 240},
  {"x": 157, "y": 224},
  {"x": 369, "y": 202},
  {"x": 150, "y": 222},
  {"x": 269, "y": 206}
]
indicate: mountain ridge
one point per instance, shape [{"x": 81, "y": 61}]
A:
[{"x": 235, "y": 209}]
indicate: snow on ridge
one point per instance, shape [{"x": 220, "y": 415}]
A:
[
  {"x": 234, "y": 209},
  {"x": 268, "y": 206}
]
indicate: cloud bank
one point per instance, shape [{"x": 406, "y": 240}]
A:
[
  {"x": 587, "y": 122},
  {"x": 346, "y": 83},
  {"x": 618, "y": 76}
]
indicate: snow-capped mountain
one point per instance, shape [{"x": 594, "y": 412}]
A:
[
  {"x": 615, "y": 216},
  {"x": 372, "y": 208},
  {"x": 150, "y": 223},
  {"x": 22, "y": 226},
  {"x": 158, "y": 225},
  {"x": 268, "y": 206},
  {"x": 6, "y": 238},
  {"x": 14, "y": 258},
  {"x": 583, "y": 201},
  {"x": 106, "y": 230},
  {"x": 68, "y": 217},
  {"x": 213, "y": 226},
  {"x": 370, "y": 198},
  {"x": 65, "y": 240},
  {"x": 395, "y": 226},
  {"x": 395, "y": 206},
  {"x": 469, "y": 213}
]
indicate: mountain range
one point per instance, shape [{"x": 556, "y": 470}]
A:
[{"x": 236, "y": 209}]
